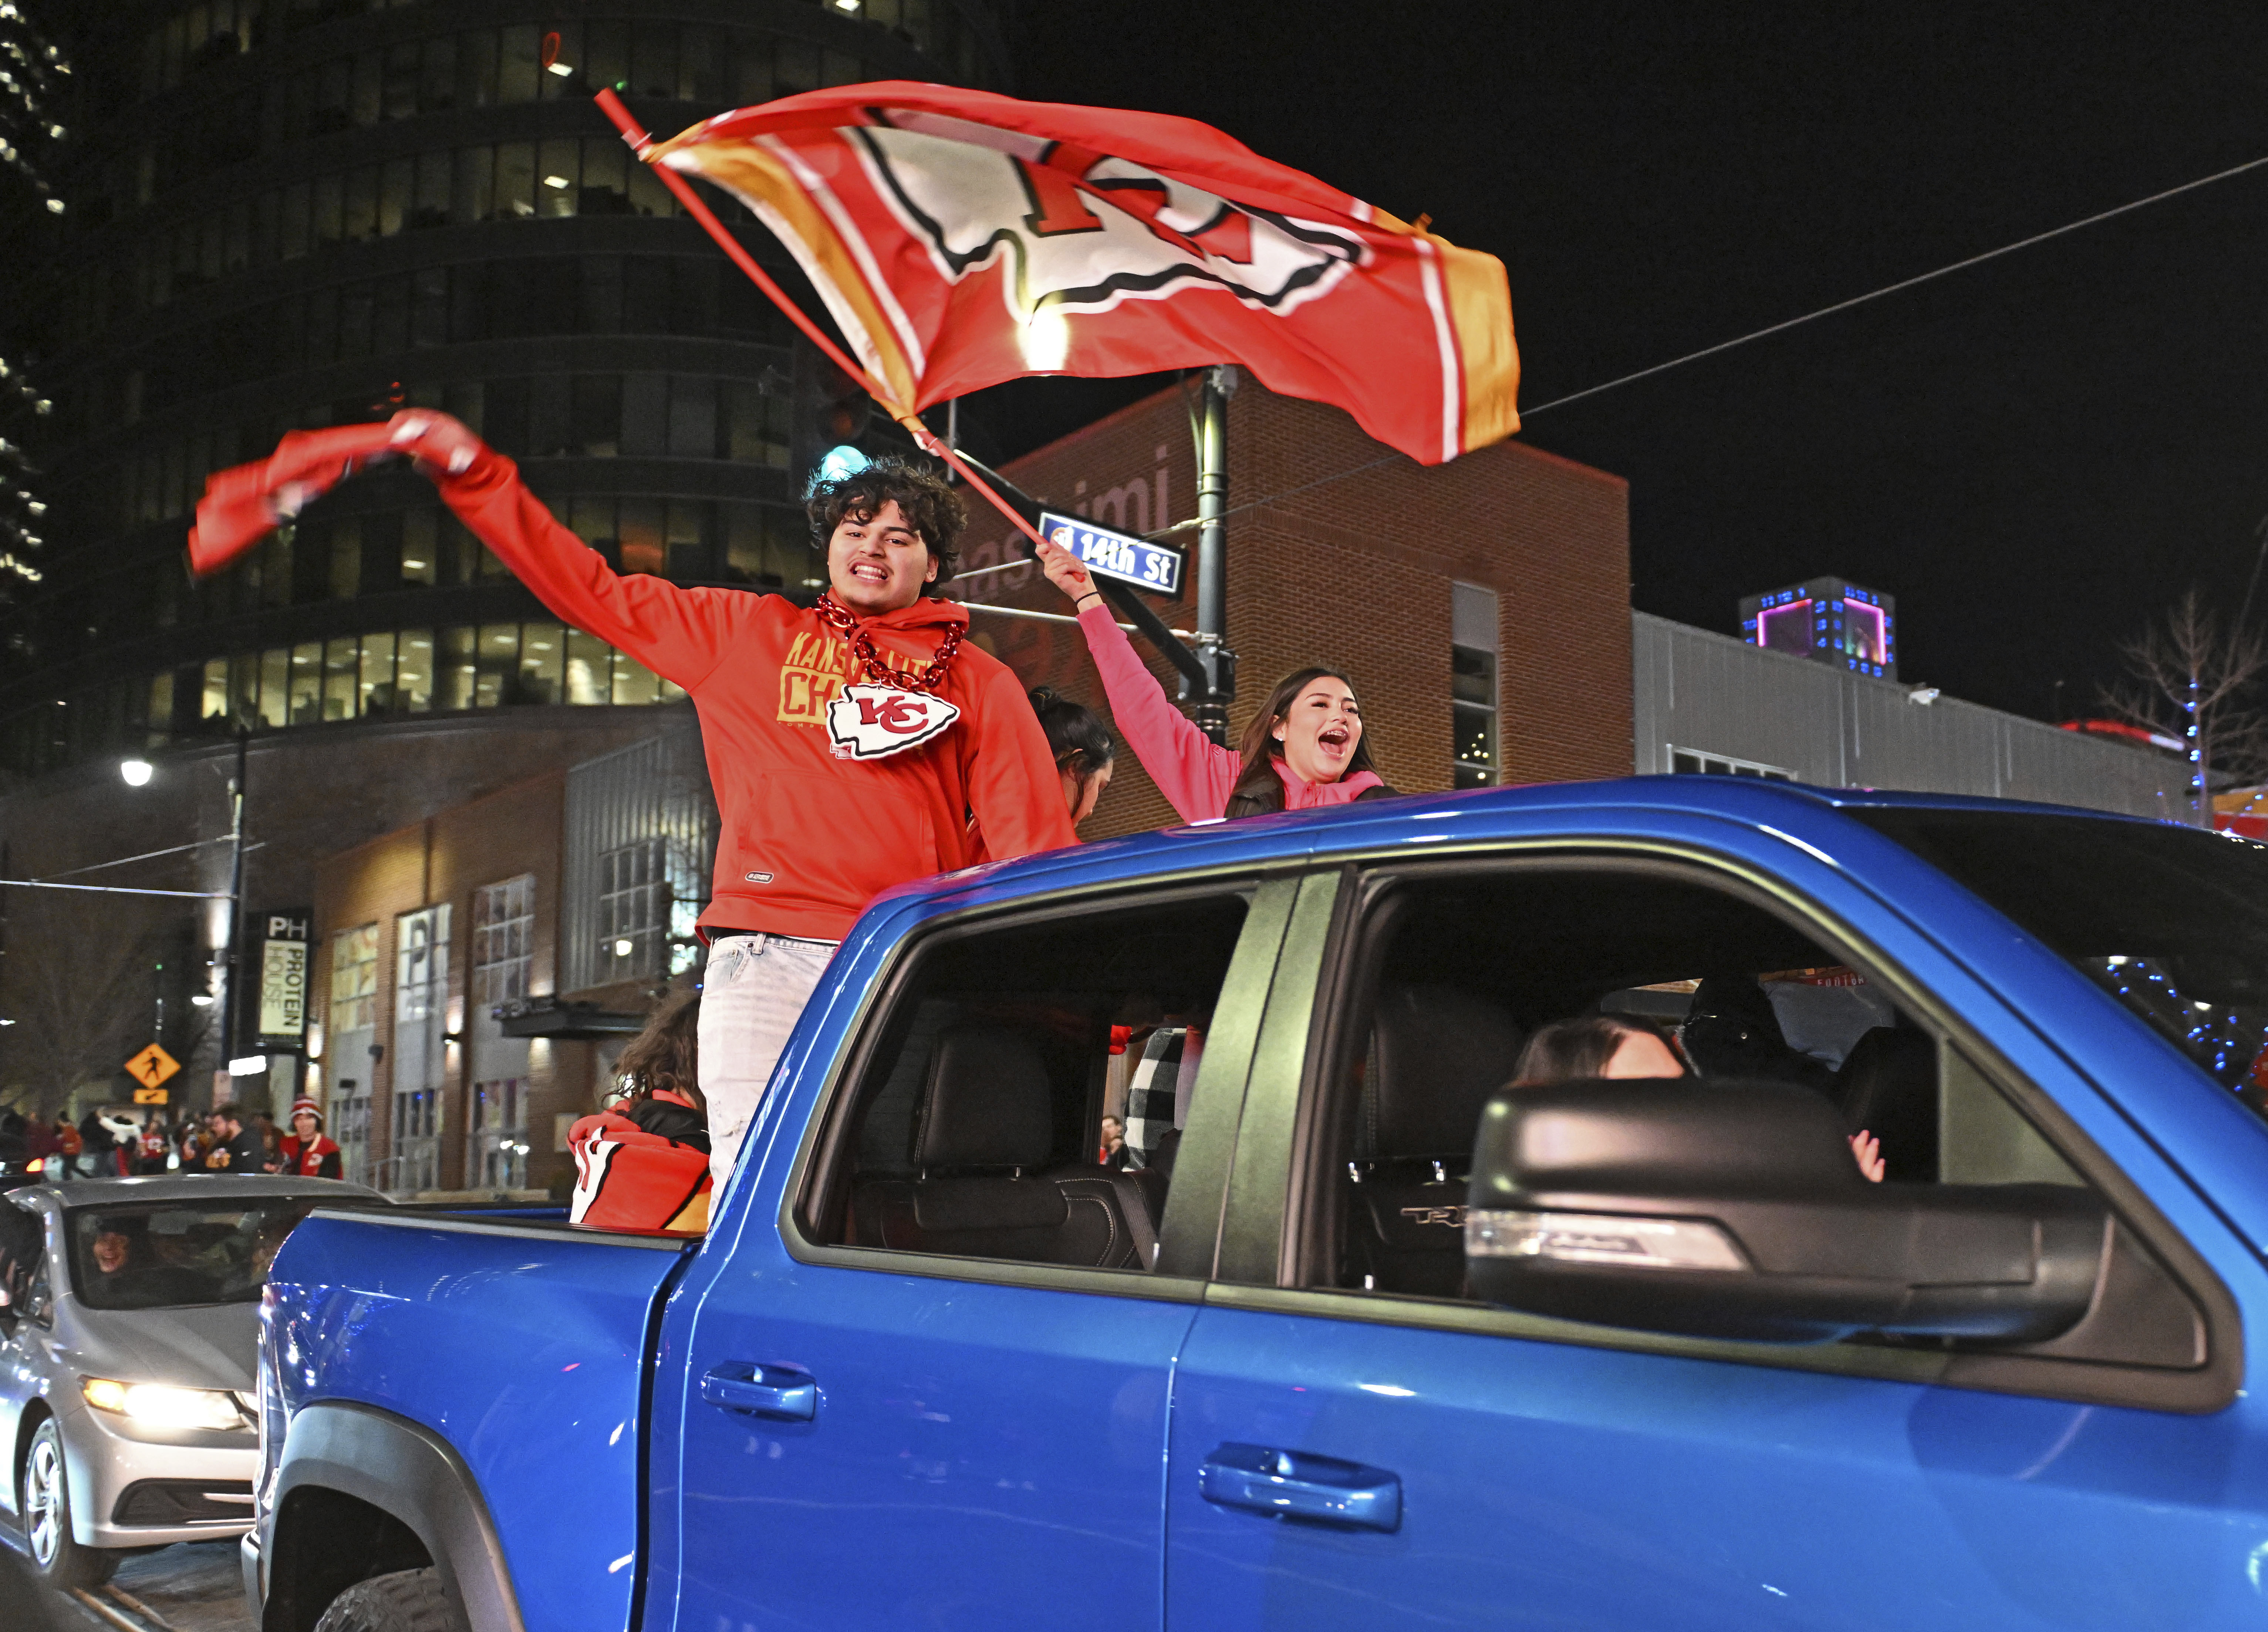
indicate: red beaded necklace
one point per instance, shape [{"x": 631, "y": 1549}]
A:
[{"x": 869, "y": 662}]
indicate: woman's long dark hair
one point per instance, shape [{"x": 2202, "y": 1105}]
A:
[
  {"x": 1257, "y": 780},
  {"x": 667, "y": 1054},
  {"x": 1078, "y": 741}
]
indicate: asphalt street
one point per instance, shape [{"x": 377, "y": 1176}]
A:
[{"x": 190, "y": 1588}]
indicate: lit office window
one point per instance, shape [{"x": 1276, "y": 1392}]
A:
[
  {"x": 496, "y": 1137},
  {"x": 503, "y": 934},
  {"x": 634, "y": 898},
  {"x": 354, "y": 980},
  {"x": 1473, "y": 684}
]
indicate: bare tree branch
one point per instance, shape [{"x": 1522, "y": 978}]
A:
[
  {"x": 2186, "y": 663},
  {"x": 80, "y": 989}
]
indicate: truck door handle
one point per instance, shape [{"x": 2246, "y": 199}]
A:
[
  {"x": 1293, "y": 1484},
  {"x": 776, "y": 1391}
]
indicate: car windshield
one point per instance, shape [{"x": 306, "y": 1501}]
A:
[
  {"x": 2171, "y": 920},
  {"x": 161, "y": 1255}
]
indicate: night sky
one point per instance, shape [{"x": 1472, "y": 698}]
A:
[{"x": 2031, "y": 456}]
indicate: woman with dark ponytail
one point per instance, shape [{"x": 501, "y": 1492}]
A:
[
  {"x": 1305, "y": 749},
  {"x": 1083, "y": 750}
]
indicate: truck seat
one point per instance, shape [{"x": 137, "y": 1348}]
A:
[
  {"x": 1887, "y": 1087},
  {"x": 984, "y": 1129},
  {"x": 1437, "y": 1054}
]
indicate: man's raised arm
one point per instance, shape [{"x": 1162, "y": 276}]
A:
[{"x": 679, "y": 634}]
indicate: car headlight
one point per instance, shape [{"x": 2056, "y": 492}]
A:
[{"x": 162, "y": 1405}]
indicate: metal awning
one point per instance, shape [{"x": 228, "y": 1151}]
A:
[{"x": 569, "y": 1022}]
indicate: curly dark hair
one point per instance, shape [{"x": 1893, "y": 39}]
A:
[
  {"x": 666, "y": 1053},
  {"x": 931, "y": 505}
]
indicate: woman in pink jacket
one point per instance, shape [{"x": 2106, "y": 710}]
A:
[{"x": 1303, "y": 750}]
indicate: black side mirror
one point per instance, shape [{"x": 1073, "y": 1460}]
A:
[{"x": 1735, "y": 1209}]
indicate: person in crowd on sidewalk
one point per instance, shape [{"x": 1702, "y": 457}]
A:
[
  {"x": 306, "y": 1153},
  {"x": 643, "y": 1163},
  {"x": 271, "y": 1141},
  {"x": 238, "y": 1150},
  {"x": 98, "y": 1147},
  {"x": 1113, "y": 1153},
  {"x": 69, "y": 1146},
  {"x": 154, "y": 1146},
  {"x": 1303, "y": 750},
  {"x": 40, "y": 1145},
  {"x": 849, "y": 743}
]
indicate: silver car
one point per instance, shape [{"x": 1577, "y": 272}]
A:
[{"x": 126, "y": 1377}]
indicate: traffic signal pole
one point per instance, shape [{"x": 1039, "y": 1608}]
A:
[{"x": 1210, "y": 704}]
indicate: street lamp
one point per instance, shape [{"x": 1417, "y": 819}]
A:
[{"x": 135, "y": 772}]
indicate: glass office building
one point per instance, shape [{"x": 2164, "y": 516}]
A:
[{"x": 299, "y": 213}]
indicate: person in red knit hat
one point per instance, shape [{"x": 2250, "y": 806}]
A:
[
  {"x": 308, "y": 1152},
  {"x": 849, "y": 743}
]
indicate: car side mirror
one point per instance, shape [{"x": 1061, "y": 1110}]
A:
[{"x": 1726, "y": 1209}]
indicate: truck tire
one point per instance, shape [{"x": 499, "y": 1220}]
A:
[
  {"x": 407, "y": 1600},
  {"x": 43, "y": 1499}
]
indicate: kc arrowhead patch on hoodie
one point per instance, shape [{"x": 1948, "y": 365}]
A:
[{"x": 868, "y": 722}]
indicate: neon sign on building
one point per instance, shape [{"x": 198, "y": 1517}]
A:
[{"x": 1828, "y": 620}]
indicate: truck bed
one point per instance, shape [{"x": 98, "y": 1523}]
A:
[{"x": 523, "y": 1342}]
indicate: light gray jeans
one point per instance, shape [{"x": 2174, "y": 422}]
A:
[{"x": 755, "y": 987}]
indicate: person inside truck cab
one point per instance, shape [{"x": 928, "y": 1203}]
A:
[
  {"x": 1609, "y": 1045},
  {"x": 643, "y": 1163},
  {"x": 849, "y": 742}
]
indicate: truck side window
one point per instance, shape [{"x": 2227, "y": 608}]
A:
[
  {"x": 1457, "y": 971},
  {"x": 979, "y": 1124}
]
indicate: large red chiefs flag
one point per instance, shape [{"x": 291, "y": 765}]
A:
[{"x": 961, "y": 239}]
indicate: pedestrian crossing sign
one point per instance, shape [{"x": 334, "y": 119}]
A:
[{"x": 150, "y": 1068}]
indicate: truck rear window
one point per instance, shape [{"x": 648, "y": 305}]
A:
[{"x": 2171, "y": 920}]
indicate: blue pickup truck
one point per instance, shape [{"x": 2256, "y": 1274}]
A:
[{"x": 1354, "y": 1336}]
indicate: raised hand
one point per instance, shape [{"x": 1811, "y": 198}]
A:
[
  {"x": 1869, "y": 1150},
  {"x": 434, "y": 437},
  {"x": 1066, "y": 572}
]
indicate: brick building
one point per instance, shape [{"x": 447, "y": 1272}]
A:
[
  {"x": 1501, "y": 579},
  {"x": 476, "y": 972}
]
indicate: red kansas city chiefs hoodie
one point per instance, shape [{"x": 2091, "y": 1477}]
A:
[{"x": 808, "y": 839}]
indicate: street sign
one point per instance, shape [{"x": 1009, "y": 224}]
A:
[
  {"x": 151, "y": 1096},
  {"x": 1121, "y": 555},
  {"x": 284, "y": 977},
  {"x": 150, "y": 1066}
]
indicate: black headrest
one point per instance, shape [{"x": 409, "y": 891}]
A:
[
  {"x": 1437, "y": 1054},
  {"x": 987, "y": 1102},
  {"x": 1736, "y": 997},
  {"x": 1888, "y": 1087}
]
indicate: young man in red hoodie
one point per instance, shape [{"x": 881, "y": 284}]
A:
[{"x": 849, "y": 744}]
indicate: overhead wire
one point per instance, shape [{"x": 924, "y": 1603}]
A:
[{"x": 1775, "y": 328}]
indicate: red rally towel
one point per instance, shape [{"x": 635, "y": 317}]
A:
[
  {"x": 246, "y": 502},
  {"x": 628, "y": 1179}
]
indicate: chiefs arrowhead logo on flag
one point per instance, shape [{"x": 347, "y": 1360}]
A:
[
  {"x": 961, "y": 239},
  {"x": 867, "y": 722}
]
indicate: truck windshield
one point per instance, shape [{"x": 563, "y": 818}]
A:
[
  {"x": 2171, "y": 920},
  {"x": 161, "y": 1254}
]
